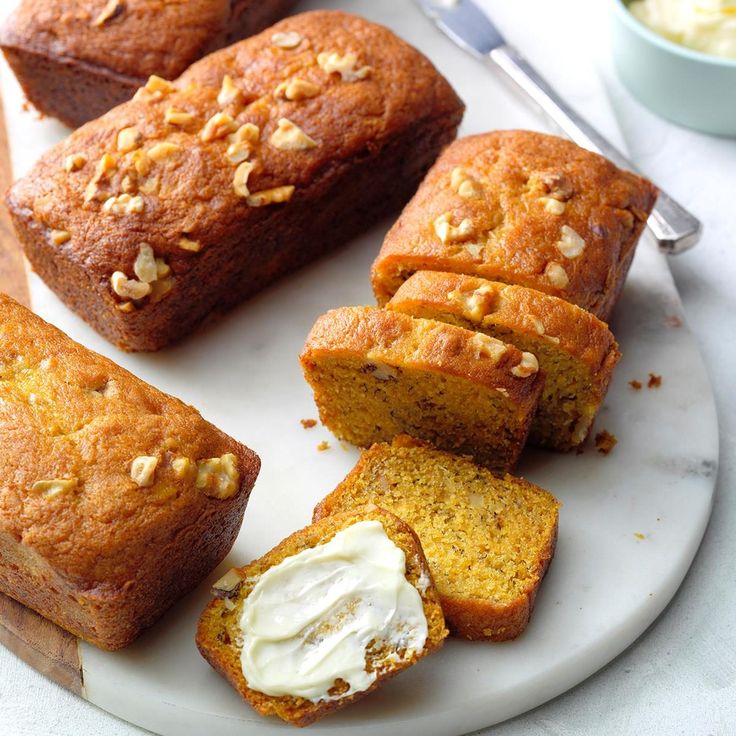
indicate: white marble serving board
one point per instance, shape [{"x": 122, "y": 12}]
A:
[{"x": 630, "y": 524}]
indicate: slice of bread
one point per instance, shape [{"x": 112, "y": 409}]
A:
[
  {"x": 576, "y": 351},
  {"x": 488, "y": 539},
  {"x": 378, "y": 373},
  {"x": 220, "y": 635}
]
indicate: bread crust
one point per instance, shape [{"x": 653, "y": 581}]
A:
[
  {"x": 217, "y": 629},
  {"x": 74, "y": 70},
  {"x": 106, "y": 557},
  {"x": 376, "y": 137},
  {"x": 512, "y": 235}
]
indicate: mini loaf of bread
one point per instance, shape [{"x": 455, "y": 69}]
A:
[
  {"x": 523, "y": 208},
  {"x": 232, "y": 622},
  {"x": 488, "y": 539},
  {"x": 115, "y": 499},
  {"x": 378, "y": 373},
  {"x": 75, "y": 60},
  {"x": 262, "y": 156},
  {"x": 576, "y": 351}
]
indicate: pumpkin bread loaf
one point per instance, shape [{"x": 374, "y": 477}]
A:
[
  {"x": 115, "y": 498},
  {"x": 522, "y": 208},
  {"x": 377, "y": 373},
  {"x": 489, "y": 539},
  {"x": 576, "y": 351},
  {"x": 76, "y": 60},
  {"x": 232, "y": 628},
  {"x": 262, "y": 156}
]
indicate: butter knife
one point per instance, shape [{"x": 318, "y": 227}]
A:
[{"x": 675, "y": 229}]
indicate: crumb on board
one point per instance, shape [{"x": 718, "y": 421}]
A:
[
  {"x": 640, "y": 536},
  {"x": 322, "y": 446},
  {"x": 308, "y": 423},
  {"x": 654, "y": 381},
  {"x": 673, "y": 320},
  {"x": 605, "y": 442},
  {"x": 636, "y": 385}
]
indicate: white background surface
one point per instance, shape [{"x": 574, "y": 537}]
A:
[{"x": 679, "y": 677}]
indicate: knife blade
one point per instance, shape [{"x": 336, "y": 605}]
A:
[{"x": 469, "y": 27}]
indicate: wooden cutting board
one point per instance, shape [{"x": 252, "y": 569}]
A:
[{"x": 43, "y": 645}]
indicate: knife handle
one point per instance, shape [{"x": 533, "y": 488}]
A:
[{"x": 675, "y": 229}]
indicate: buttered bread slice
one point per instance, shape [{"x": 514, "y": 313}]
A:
[
  {"x": 378, "y": 373},
  {"x": 325, "y": 617},
  {"x": 576, "y": 351},
  {"x": 488, "y": 539}
]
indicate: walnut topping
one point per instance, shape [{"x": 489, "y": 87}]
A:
[
  {"x": 553, "y": 206},
  {"x": 556, "y": 185},
  {"x": 227, "y": 585},
  {"x": 126, "y": 307},
  {"x": 105, "y": 165},
  {"x": 382, "y": 371},
  {"x": 240, "y": 180},
  {"x": 141, "y": 162},
  {"x": 143, "y": 469},
  {"x": 464, "y": 184},
  {"x": 161, "y": 287},
  {"x": 246, "y": 133},
  {"x": 162, "y": 268},
  {"x": 182, "y": 467},
  {"x": 218, "y": 126},
  {"x": 286, "y": 40},
  {"x": 145, "y": 266},
  {"x": 277, "y": 195},
  {"x": 535, "y": 323},
  {"x": 54, "y": 487},
  {"x": 177, "y": 117},
  {"x": 150, "y": 186},
  {"x": 112, "y": 10},
  {"x": 74, "y": 162},
  {"x": 449, "y": 233},
  {"x": 238, "y": 152},
  {"x": 59, "y": 237},
  {"x": 128, "y": 184},
  {"x": 296, "y": 89},
  {"x": 556, "y": 275},
  {"x": 345, "y": 66},
  {"x": 128, "y": 288},
  {"x": 162, "y": 151},
  {"x": 155, "y": 88},
  {"x": 229, "y": 92},
  {"x": 488, "y": 347},
  {"x": 570, "y": 244},
  {"x": 123, "y": 204},
  {"x": 194, "y": 246},
  {"x": 218, "y": 476},
  {"x": 474, "y": 250},
  {"x": 129, "y": 139},
  {"x": 473, "y": 304},
  {"x": 528, "y": 366},
  {"x": 290, "y": 137}
]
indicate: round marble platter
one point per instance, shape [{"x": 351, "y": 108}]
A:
[{"x": 630, "y": 523}]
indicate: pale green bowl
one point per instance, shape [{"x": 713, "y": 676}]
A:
[{"x": 687, "y": 87}]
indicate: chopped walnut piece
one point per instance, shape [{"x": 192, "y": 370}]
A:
[
  {"x": 178, "y": 117},
  {"x": 277, "y": 195},
  {"x": 449, "y": 233},
  {"x": 553, "y": 206},
  {"x": 150, "y": 186},
  {"x": 74, "y": 162},
  {"x": 188, "y": 244},
  {"x": 296, "y": 89},
  {"x": 141, "y": 162},
  {"x": 162, "y": 268},
  {"x": 228, "y": 585},
  {"x": 240, "y": 180},
  {"x": 145, "y": 267},
  {"x": 323, "y": 446},
  {"x": 125, "y": 307},
  {"x": 182, "y": 467},
  {"x": 570, "y": 244},
  {"x": 464, "y": 184},
  {"x": 654, "y": 381},
  {"x": 238, "y": 152},
  {"x": 636, "y": 385},
  {"x": 59, "y": 237},
  {"x": 308, "y": 423},
  {"x": 486, "y": 346},
  {"x": 474, "y": 250},
  {"x": 229, "y": 92},
  {"x": 55, "y": 487},
  {"x": 290, "y": 137},
  {"x": 123, "y": 204},
  {"x": 218, "y": 126},
  {"x": 605, "y": 442},
  {"x": 128, "y": 288},
  {"x": 246, "y": 133},
  {"x": 162, "y": 151},
  {"x": 556, "y": 185},
  {"x": 112, "y": 10},
  {"x": 143, "y": 470},
  {"x": 129, "y": 139},
  {"x": 528, "y": 366},
  {"x": 345, "y": 66},
  {"x": 218, "y": 477},
  {"x": 474, "y": 304},
  {"x": 160, "y": 288},
  {"x": 556, "y": 275},
  {"x": 155, "y": 88},
  {"x": 286, "y": 40}
]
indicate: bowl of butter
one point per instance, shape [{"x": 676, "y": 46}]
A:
[{"x": 678, "y": 57}]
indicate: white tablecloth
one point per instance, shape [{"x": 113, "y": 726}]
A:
[{"x": 680, "y": 677}]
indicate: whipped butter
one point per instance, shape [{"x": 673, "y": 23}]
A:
[
  {"x": 310, "y": 619},
  {"x": 708, "y": 26}
]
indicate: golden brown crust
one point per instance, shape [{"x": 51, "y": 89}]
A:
[
  {"x": 103, "y": 555},
  {"x": 74, "y": 66},
  {"x": 375, "y": 137},
  {"x": 518, "y": 191},
  {"x": 218, "y": 626}
]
